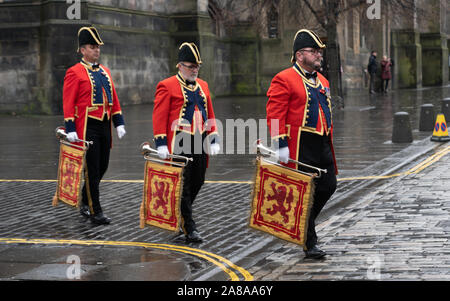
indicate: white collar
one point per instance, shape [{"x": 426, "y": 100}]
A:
[{"x": 89, "y": 63}]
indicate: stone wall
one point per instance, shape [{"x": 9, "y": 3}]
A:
[
  {"x": 20, "y": 35},
  {"x": 435, "y": 58},
  {"x": 137, "y": 50},
  {"x": 38, "y": 44}
]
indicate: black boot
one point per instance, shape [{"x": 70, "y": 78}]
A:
[
  {"x": 194, "y": 236},
  {"x": 84, "y": 210},
  {"x": 100, "y": 219},
  {"x": 314, "y": 253}
]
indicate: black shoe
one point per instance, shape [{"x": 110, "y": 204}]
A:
[
  {"x": 84, "y": 210},
  {"x": 314, "y": 253},
  {"x": 194, "y": 236},
  {"x": 100, "y": 219}
]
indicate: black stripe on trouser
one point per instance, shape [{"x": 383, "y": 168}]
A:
[
  {"x": 97, "y": 160},
  {"x": 193, "y": 174},
  {"x": 315, "y": 150}
]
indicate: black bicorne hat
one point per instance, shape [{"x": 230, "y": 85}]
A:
[
  {"x": 88, "y": 35},
  {"x": 306, "y": 38},
  {"x": 188, "y": 52}
]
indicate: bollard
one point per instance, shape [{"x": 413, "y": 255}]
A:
[
  {"x": 426, "y": 123},
  {"x": 401, "y": 132},
  {"x": 445, "y": 108}
]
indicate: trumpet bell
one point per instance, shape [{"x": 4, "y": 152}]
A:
[
  {"x": 151, "y": 154},
  {"x": 60, "y": 132},
  {"x": 146, "y": 149},
  {"x": 268, "y": 152}
]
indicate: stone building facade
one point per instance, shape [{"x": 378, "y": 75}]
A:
[
  {"x": 38, "y": 43},
  {"x": 243, "y": 44},
  {"x": 416, "y": 40}
]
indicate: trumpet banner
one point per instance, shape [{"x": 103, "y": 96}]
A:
[
  {"x": 281, "y": 202},
  {"x": 70, "y": 175},
  {"x": 162, "y": 196}
]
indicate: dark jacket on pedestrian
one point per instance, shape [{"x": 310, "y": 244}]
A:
[{"x": 372, "y": 67}]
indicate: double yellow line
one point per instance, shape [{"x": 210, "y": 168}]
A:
[
  {"x": 227, "y": 266},
  {"x": 416, "y": 169},
  {"x": 121, "y": 181}
]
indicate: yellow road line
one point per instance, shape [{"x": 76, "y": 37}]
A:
[
  {"x": 211, "y": 257},
  {"x": 244, "y": 272},
  {"x": 124, "y": 181},
  {"x": 229, "y": 182},
  {"x": 432, "y": 159},
  {"x": 23, "y": 180},
  {"x": 414, "y": 170}
]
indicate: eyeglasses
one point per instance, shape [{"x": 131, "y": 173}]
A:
[
  {"x": 191, "y": 67},
  {"x": 314, "y": 51}
]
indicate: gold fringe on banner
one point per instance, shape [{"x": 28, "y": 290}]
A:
[
  {"x": 55, "y": 200},
  {"x": 282, "y": 199},
  {"x": 162, "y": 196},
  {"x": 70, "y": 175},
  {"x": 142, "y": 215}
]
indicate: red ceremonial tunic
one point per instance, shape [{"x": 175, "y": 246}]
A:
[
  {"x": 297, "y": 104},
  {"x": 89, "y": 93},
  {"x": 180, "y": 107}
]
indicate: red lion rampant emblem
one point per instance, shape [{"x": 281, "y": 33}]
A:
[
  {"x": 281, "y": 197},
  {"x": 161, "y": 195},
  {"x": 69, "y": 174}
]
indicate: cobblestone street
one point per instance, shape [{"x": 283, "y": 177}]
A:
[
  {"x": 27, "y": 213},
  {"x": 354, "y": 94},
  {"x": 398, "y": 231},
  {"x": 388, "y": 220}
]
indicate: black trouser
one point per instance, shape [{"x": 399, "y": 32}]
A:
[
  {"x": 372, "y": 82},
  {"x": 97, "y": 159},
  {"x": 193, "y": 174},
  {"x": 385, "y": 84},
  {"x": 315, "y": 150}
]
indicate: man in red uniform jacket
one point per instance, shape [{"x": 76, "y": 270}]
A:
[
  {"x": 90, "y": 103},
  {"x": 183, "y": 120},
  {"x": 299, "y": 99}
]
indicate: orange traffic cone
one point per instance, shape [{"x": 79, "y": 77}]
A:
[{"x": 440, "y": 133}]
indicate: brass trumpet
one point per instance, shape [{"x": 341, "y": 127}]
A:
[
  {"x": 62, "y": 136},
  {"x": 260, "y": 147},
  {"x": 151, "y": 154}
]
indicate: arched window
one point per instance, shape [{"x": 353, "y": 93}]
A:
[
  {"x": 272, "y": 22},
  {"x": 350, "y": 24},
  {"x": 216, "y": 19}
]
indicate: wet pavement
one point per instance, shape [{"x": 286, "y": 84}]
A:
[
  {"x": 37, "y": 262},
  {"x": 363, "y": 131},
  {"x": 398, "y": 231}
]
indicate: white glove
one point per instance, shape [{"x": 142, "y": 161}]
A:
[
  {"x": 121, "y": 131},
  {"x": 283, "y": 154},
  {"x": 214, "y": 149},
  {"x": 163, "y": 151},
  {"x": 72, "y": 136}
]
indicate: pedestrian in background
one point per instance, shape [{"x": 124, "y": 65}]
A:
[
  {"x": 372, "y": 68},
  {"x": 299, "y": 99},
  {"x": 180, "y": 114},
  {"x": 90, "y": 104},
  {"x": 385, "y": 73}
]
